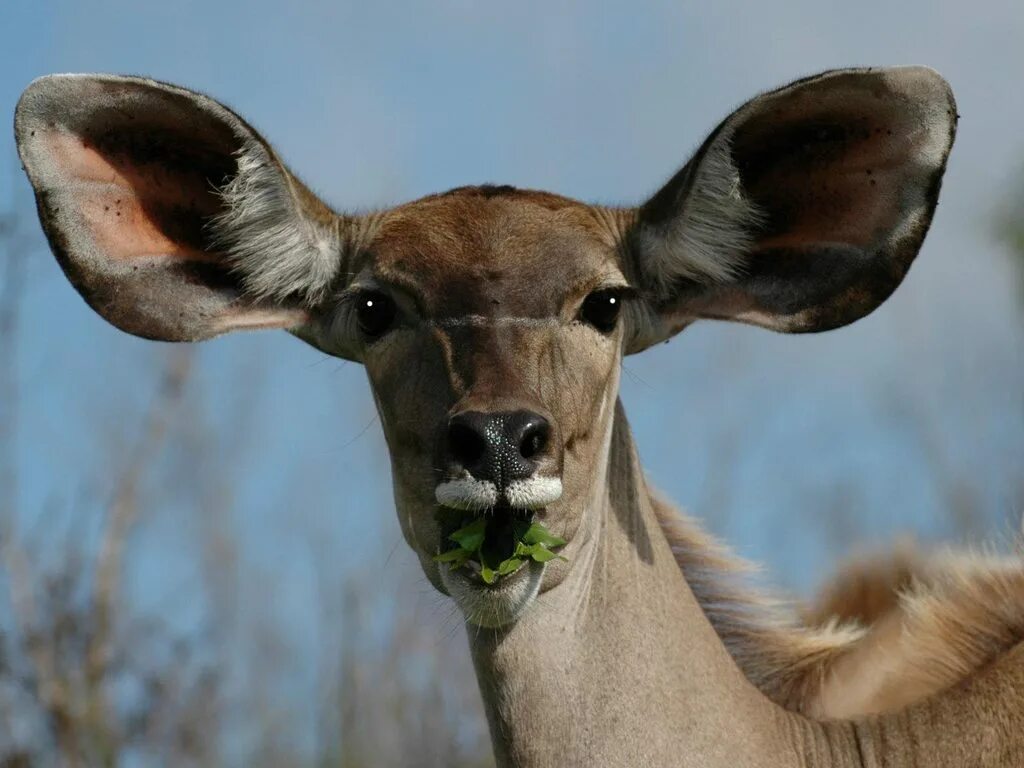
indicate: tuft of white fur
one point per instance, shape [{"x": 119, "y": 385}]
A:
[
  {"x": 709, "y": 237},
  {"x": 467, "y": 493},
  {"x": 533, "y": 492},
  {"x": 278, "y": 251}
]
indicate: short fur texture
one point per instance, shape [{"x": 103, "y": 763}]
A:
[
  {"x": 777, "y": 652},
  {"x": 888, "y": 630},
  {"x": 867, "y": 586}
]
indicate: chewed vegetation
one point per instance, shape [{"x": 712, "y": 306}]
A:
[{"x": 496, "y": 546}]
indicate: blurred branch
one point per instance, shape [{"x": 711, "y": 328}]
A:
[
  {"x": 1009, "y": 227},
  {"x": 11, "y": 291},
  {"x": 67, "y": 651},
  {"x": 961, "y": 498},
  {"x": 49, "y": 687},
  {"x": 72, "y": 690},
  {"x": 121, "y": 516}
]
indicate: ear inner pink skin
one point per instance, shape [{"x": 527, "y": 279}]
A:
[{"x": 121, "y": 202}]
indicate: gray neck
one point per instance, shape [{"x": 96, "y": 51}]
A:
[{"x": 617, "y": 665}]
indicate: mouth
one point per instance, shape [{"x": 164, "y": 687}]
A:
[{"x": 489, "y": 547}]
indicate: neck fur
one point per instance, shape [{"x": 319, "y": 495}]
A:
[{"x": 619, "y": 663}]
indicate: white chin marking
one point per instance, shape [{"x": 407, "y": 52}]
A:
[
  {"x": 467, "y": 493},
  {"x": 497, "y": 605},
  {"x": 533, "y": 492}
]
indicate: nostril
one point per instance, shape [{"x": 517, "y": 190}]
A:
[
  {"x": 467, "y": 446},
  {"x": 499, "y": 446},
  {"x": 534, "y": 439}
]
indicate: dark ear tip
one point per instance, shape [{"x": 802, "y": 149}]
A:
[{"x": 62, "y": 99}]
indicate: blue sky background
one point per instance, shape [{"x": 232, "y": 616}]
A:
[{"x": 793, "y": 448}]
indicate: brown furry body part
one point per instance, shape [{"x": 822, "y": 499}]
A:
[{"x": 885, "y": 632}]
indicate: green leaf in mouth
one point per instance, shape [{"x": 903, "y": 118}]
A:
[
  {"x": 457, "y": 557},
  {"x": 509, "y": 566},
  {"x": 537, "y": 552},
  {"x": 471, "y": 537},
  {"x": 478, "y": 540},
  {"x": 538, "y": 534},
  {"x": 488, "y": 575}
]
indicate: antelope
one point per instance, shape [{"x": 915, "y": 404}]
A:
[{"x": 492, "y": 323}]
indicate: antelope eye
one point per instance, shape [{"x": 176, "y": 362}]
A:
[
  {"x": 601, "y": 309},
  {"x": 375, "y": 313}
]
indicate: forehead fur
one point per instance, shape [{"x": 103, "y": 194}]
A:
[{"x": 494, "y": 250}]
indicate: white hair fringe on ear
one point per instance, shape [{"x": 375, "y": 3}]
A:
[
  {"x": 707, "y": 241},
  {"x": 277, "y": 251}
]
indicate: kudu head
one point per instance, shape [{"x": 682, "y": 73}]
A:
[{"x": 491, "y": 321}]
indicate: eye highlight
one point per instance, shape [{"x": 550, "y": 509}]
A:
[
  {"x": 601, "y": 308},
  {"x": 375, "y": 313}
]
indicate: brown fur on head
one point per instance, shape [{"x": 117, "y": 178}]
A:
[
  {"x": 487, "y": 318},
  {"x": 477, "y": 331}
]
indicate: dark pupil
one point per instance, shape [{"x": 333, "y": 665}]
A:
[
  {"x": 601, "y": 310},
  {"x": 375, "y": 312}
]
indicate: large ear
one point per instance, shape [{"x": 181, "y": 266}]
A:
[
  {"x": 802, "y": 211},
  {"x": 171, "y": 216}
]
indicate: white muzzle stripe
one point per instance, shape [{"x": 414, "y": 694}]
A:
[
  {"x": 467, "y": 493},
  {"x": 533, "y": 492},
  {"x": 471, "y": 494}
]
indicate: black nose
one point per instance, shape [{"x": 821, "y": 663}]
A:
[{"x": 500, "y": 447}]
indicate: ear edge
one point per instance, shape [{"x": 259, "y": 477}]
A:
[
  {"x": 933, "y": 98},
  {"x": 41, "y": 105},
  {"x": 714, "y": 231},
  {"x": 253, "y": 229}
]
